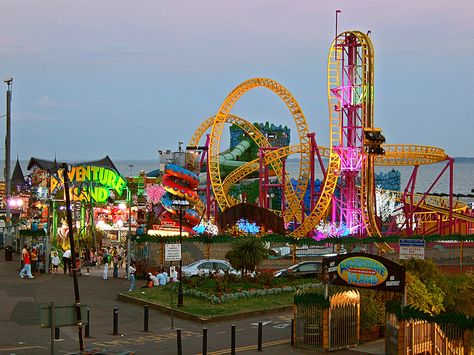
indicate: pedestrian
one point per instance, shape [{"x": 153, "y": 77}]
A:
[
  {"x": 34, "y": 261},
  {"x": 105, "y": 259},
  {"x": 26, "y": 270},
  {"x": 67, "y": 261},
  {"x": 55, "y": 262},
  {"x": 132, "y": 269},
  {"x": 115, "y": 261},
  {"x": 23, "y": 252},
  {"x": 120, "y": 256}
]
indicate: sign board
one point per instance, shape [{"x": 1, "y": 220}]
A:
[
  {"x": 63, "y": 315},
  {"x": 172, "y": 252},
  {"x": 365, "y": 271},
  {"x": 412, "y": 249}
]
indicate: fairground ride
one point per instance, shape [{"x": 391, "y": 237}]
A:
[{"x": 347, "y": 194}]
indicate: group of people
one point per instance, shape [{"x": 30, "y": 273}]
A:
[
  {"x": 160, "y": 279},
  {"x": 112, "y": 257},
  {"x": 29, "y": 262}
]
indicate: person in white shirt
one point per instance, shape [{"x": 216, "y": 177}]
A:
[
  {"x": 132, "y": 270},
  {"x": 67, "y": 261},
  {"x": 55, "y": 262},
  {"x": 154, "y": 279}
]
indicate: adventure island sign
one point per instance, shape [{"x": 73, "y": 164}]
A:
[
  {"x": 89, "y": 183},
  {"x": 365, "y": 271}
]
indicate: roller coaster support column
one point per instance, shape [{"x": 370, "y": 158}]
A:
[
  {"x": 264, "y": 183},
  {"x": 451, "y": 179},
  {"x": 314, "y": 149}
]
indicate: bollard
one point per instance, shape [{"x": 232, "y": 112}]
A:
[
  {"x": 88, "y": 323},
  {"x": 57, "y": 335},
  {"x": 115, "y": 332},
  {"x": 178, "y": 338},
  {"x": 204, "y": 341},
  {"x": 259, "y": 341},
  {"x": 145, "y": 318},
  {"x": 292, "y": 334},
  {"x": 232, "y": 340}
]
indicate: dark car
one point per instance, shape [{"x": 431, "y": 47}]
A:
[{"x": 303, "y": 269}]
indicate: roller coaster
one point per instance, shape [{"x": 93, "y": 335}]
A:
[{"x": 347, "y": 193}]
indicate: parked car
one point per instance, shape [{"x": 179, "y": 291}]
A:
[
  {"x": 303, "y": 269},
  {"x": 204, "y": 267}
]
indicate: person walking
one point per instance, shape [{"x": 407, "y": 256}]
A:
[
  {"x": 26, "y": 270},
  {"x": 115, "y": 261},
  {"x": 34, "y": 261},
  {"x": 132, "y": 269},
  {"x": 105, "y": 259},
  {"x": 23, "y": 252},
  {"x": 67, "y": 261},
  {"x": 55, "y": 262}
]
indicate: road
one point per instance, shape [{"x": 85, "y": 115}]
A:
[{"x": 21, "y": 332}]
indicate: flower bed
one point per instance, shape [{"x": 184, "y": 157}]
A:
[{"x": 224, "y": 297}]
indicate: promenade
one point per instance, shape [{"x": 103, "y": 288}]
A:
[{"x": 21, "y": 332}]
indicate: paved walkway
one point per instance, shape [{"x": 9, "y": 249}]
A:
[{"x": 21, "y": 332}]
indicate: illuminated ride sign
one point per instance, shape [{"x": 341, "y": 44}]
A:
[
  {"x": 365, "y": 271},
  {"x": 89, "y": 183}
]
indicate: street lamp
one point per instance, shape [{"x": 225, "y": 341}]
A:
[
  {"x": 181, "y": 205},
  {"x": 8, "y": 236}
]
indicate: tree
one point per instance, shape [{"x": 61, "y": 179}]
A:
[{"x": 247, "y": 253}]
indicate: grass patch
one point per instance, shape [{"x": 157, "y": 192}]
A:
[{"x": 201, "y": 307}]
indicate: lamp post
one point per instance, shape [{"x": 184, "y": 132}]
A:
[
  {"x": 8, "y": 236},
  {"x": 129, "y": 236},
  {"x": 181, "y": 205}
]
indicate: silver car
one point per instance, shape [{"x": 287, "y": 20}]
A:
[{"x": 205, "y": 266}]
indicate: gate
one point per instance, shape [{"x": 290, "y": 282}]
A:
[
  {"x": 328, "y": 324},
  {"x": 344, "y": 315}
]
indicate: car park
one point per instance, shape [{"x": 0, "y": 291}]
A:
[
  {"x": 206, "y": 266},
  {"x": 302, "y": 269}
]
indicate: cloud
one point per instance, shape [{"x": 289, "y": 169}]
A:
[{"x": 46, "y": 101}]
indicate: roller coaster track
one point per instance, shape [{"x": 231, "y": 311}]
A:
[
  {"x": 360, "y": 71},
  {"x": 261, "y": 141},
  {"x": 216, "y": 132},
  {"x": 445, "y": 211}
]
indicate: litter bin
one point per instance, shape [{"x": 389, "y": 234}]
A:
[{"x": 8, "y": 253}]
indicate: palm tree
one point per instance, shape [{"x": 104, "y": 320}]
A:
[{"x": 247, "y": 253}]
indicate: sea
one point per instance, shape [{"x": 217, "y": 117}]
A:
[{"x": 427, "y": 174}]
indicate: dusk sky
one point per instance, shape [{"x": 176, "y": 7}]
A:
[{"x": 126, "y": 78}]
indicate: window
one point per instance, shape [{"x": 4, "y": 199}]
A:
[
  {"x": 221, "y": 266},
  {"x": 207, "y": 265}
]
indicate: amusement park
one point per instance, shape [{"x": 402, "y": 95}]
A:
[{"x": 240, "y": 212}]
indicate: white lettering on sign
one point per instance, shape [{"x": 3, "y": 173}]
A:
[{"x": 172, "y": 252}]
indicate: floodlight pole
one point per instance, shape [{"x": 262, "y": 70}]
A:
[{"x": 181, "y": 205}]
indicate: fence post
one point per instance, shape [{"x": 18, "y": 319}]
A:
[
  {"x": 88, "y": 323},
  {"x": 145, "y": 318},
  {"x": 259, "y": 340},
  {"x": 180, "y": 345},
  {"x": 292, "y": 332},
  {"x": 232, "y": 340},
  {"x": 115, "y": 332},
  {"x": 204, "y": 341}
]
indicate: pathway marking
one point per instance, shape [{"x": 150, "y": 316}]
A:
[
  {"x": 141, "y": 340},
  {"x": 249, "y": 347}
]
